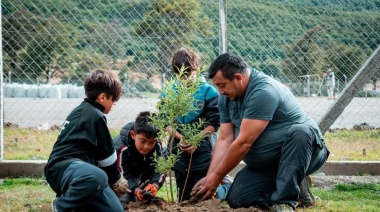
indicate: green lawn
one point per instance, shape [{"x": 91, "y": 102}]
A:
[{"x": 31, "y": 194}]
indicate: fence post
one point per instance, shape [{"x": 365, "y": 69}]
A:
[
  {"x": 1, "y": 97},
  {"x": 223, "y": 26},
  {"x": 370, "y": 67}
]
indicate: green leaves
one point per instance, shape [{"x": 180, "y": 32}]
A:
[
  {"x": 177, "y": 101},
  {"x": 193, "y": 133}
]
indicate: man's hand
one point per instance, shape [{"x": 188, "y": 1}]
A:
[
  {"x": 120, "y": 187},
  {"x": 206, "y": 187}
]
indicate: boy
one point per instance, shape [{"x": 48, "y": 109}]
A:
[
  {"x": 83, "y": 160},
  {"x": 207, "y": 101},
  {"x": 135, "y": 148}
]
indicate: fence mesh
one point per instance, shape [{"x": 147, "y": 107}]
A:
[{"x": 48, "y": 46}]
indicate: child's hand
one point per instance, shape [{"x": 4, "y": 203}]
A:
[
  {"x": 187, "y": 148},
  {"x": 146, "y": 191},
  {"x": 152, "y": 188},
  {"x": 140, "y": 194},
  {"x": 120, "y": 187}
]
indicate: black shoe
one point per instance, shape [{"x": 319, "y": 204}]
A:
[{"x": 306, "y": 197}]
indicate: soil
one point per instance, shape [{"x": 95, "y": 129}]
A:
[
  {"x": 214, "y": 205},
  {"x": 159, "y": 204}
]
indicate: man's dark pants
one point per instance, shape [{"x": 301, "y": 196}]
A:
[
  {"x": 302, "y": 153},
  {"x": 85, "y": 187}
]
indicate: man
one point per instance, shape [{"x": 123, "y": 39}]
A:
[
  {"x": 263, "y": 125},
  {"x": 330, "y": 83}
]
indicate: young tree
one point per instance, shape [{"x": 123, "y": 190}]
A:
[{"x": 177, "y": 101}]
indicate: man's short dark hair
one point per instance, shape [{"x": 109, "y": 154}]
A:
[
  {"x": 144, "y": 125},
  {"x": 228, "y": 64}
]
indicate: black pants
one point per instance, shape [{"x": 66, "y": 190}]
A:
[
  {"x": 192, "y": 179},
  {"x": 302, "y": 153},
  {"x": 85, "y": 187}
]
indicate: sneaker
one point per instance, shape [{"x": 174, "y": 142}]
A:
[
  {"x": 227, "y": 180},
  {"x": 306, "y": 198},
  {"x": 282, "y": 208}
]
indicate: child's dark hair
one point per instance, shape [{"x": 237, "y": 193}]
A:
[
  {"x": 144, "y": 125},
  {"x": 186, "y": 58},
  {"x": 101, "y": 81}
]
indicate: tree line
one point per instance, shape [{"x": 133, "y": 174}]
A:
[{"x": 285, "y": 39}]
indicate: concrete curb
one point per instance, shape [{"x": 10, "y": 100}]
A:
[{"x": 35, "y": 168}]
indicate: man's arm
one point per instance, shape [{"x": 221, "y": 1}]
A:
[
  {"x": 228, "y": 153},
  {"x": 250, "y": 130}
]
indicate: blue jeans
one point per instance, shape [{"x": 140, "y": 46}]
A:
[
  {"x": 85, "y": 187},
  {"x": 222, "y": 191}
]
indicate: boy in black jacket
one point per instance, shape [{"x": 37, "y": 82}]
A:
[
  {"x": 135, "y": 148},
  {"x": 83, "y": 161}
]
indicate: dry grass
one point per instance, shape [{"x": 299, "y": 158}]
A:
[
  {"x": 31, "y": 144},
  {"x": 27, "y": 194},
  {"x": 354, "y": 145}
]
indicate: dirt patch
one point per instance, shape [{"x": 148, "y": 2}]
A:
[
  {"x": 212, "y": 205},
  {"x": 328, "y": 182},
  {"x": 215, "y": 205}
]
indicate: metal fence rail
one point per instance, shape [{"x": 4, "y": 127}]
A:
[{"x": 48, "y": 46}]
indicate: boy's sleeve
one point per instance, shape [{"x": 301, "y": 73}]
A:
[
  {"x": 132, "y": 181},
  {"x": 158, "y": 178},
  {"x": 211, "y": 110},
  {"x": 105, "y": 153}
]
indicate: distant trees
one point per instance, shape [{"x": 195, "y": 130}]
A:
[
  {"x": 33, "y": 44},
  {"x": 307, "y": 57},
  {"x": 41, "y": 38},
  {"x": 171, "y": 24},
  {"x": 17, "y": 28},
  {"x": 304, "y": 57},
  {"x": 345, "y": 60}
]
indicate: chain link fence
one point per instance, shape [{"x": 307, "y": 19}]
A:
[{"x": 48, "y": 46}]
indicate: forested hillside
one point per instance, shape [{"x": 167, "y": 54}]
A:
[{"x": 71, "y": 37}]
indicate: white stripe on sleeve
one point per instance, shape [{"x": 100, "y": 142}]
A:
[{"x": 108, "y": 161}]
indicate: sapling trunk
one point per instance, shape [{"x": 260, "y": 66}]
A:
[{"x": 187, "y": 176}]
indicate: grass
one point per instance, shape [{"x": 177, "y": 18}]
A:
[
  {"x": 354, "y": 145},
  {"x": 359, "y": 197},
  {"x": 33, "y": 194},
  {"x": 31, "y": 144}
]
